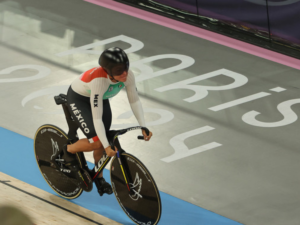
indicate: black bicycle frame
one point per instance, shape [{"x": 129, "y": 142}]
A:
[
  {"x": 112, "y": 138},
  {"x": 114, "y": 142}
]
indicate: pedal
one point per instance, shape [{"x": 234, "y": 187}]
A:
[
  {"x": 103, "y": 187},
  {"x": 100, "y": 192}
]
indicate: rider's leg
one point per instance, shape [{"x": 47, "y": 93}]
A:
[
  {"x": 83, "y": 145},
  {"x": 81, "y": 110},
  {"x": 101, "y": 184}
]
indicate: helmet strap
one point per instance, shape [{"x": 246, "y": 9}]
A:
[
  {"x": 110, "y": 76},
  {"x": 113, "y": 79}
]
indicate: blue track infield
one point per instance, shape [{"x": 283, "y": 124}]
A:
[{"x": 18, "y": 160}]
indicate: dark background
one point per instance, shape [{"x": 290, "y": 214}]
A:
[{"x": 269, "y": 24}]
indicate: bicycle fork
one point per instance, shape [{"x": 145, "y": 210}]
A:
[{"x": 124, "y": 172}]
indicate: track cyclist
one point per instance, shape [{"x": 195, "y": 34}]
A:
[{"x": 88, "y": 102}]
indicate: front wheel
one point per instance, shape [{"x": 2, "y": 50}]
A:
[{"x": 143, "y": 204}]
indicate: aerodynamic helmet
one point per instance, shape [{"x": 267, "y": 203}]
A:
[{"x": 114, "y": 61}]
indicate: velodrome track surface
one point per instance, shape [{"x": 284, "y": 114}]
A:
[
  {"x": 19, "y": 162},
  {"x": 224, "y": 116}
]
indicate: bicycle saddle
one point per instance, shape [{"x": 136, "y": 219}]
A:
[{"x": 60, "y": 99}]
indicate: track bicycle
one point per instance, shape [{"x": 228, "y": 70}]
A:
[{"x": 132, "y": 183}]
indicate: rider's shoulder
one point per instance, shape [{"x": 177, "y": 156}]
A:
[
  {"x": 93, "y": 73},
  {"x": 97, "y": 72}
]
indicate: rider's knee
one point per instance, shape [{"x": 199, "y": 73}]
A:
[{"x": 96, "y": 145}]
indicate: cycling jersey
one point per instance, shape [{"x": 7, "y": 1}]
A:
[{"x": 96, "y": 85}]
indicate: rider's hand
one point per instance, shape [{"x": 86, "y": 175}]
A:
[
  {"x": 147, "y": 137},
  {"x": 110, "y": 152}
]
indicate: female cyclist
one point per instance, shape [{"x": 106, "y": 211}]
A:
[{"x": 88, "y": 103}]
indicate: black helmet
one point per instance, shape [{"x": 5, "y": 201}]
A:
[{"x": 114, "y": 61}]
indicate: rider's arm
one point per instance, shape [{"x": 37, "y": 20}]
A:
[
  {"x": 98, "y": 87},
  {"x": 134, "y": 100}
]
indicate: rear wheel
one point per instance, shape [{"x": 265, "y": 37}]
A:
[
  {"x": 48, "y": 140},
  {"x": 143, "y": 205}
]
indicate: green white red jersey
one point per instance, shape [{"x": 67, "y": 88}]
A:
[{"x": 96, "y": 85}]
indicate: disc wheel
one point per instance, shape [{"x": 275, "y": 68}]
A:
[
  {"x": 48, "y": 140},
  {"x": 143, "y": 204}
]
